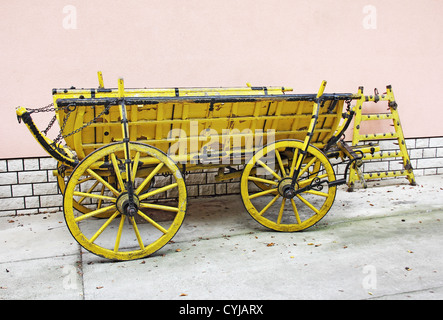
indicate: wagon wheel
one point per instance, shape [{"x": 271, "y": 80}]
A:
[
  {"x": 273, "y": 166},
  {"x": 125, "y": 235}
]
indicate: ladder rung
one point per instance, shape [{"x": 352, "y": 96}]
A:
[
  {"x": 379, "y": 116},
  {"x": 385, "y": 174},
  {"x": 373, "y": 152},
  {"x": 383, "y": 155},
  {"x": 377, "y": 136}
]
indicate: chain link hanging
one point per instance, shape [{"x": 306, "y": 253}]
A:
[{"x": 50, "y": 107}]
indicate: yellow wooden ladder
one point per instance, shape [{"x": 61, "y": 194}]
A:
[{"x": 355, "y": 172}]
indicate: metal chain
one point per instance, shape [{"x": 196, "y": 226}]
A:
[
  {"x": 46, "y": 108},
  {"x": 50, "y": 124},
  {"x": 50, "y": 107},
  {"x": 348, "y": 104},
  {"x": 105, "y": 110}
]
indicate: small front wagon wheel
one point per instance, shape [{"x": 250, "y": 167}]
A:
[
  {"x": 125, "y": 234},
  {"x": 272, "y": 167}
]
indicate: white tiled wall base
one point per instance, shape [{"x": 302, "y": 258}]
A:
[
  {"x": 27, "y": 186},
  {"x": 426, "y": 155}
]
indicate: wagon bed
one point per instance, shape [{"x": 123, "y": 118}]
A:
[{"x": 153, "y": 114}]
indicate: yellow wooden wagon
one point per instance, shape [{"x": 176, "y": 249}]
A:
[{"x": 122, "y": 171}]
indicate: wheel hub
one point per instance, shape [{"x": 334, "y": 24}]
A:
[
  {"x": 127, "y": 207},
  {"x": 284, "y": 188}
]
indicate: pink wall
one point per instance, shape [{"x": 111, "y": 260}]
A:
[{"x": 168, "y": 43}]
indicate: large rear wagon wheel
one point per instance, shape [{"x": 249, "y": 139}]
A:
[
  {"x": 125, "y": 234},
  {"x": 272, "y": 167}
]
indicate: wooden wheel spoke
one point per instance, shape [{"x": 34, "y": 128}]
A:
[
  {"x": 117, "y": 172},
  {"x": 307, "y": 166},
  {"x": 89, "y": 191},
  {"x": 119, "y": 233},
  {"x": 84, "y": 180},
  {"x": 135, "y": 166},
  {"x": 280, "y": 213},
  {"x": 310, "y": 206},
  {"x": 158, "y": 207},
  {"x": 105, "y": 183},
  {"x": 280, "y": 163},
  {"x": 103, "y": 227},
  {"x": 317, "y": 193},
  {"x": 294, "y": 161},
  {"x": 149, "y": 178},
  {"x": 155, "y": 224},
  {"x": 93, "y": 195},
  {"x": 94, "y": 213},
  {"x": 269, "y": 205},
  {"x": 137, "y": 233},
  {"x": 294, "y": 208},
  {"x": 157, "y": 191},
  {"x": 252, "y": 178},
  {"x": 262, "y": 193},
  {"x": 100, "y": 201},
  {"x": 268, "y": 169}
]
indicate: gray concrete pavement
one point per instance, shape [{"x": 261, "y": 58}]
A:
[{"x": 384, "y": 242}]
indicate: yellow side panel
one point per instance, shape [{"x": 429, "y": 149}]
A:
[{"x": 161, "y": 123}]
